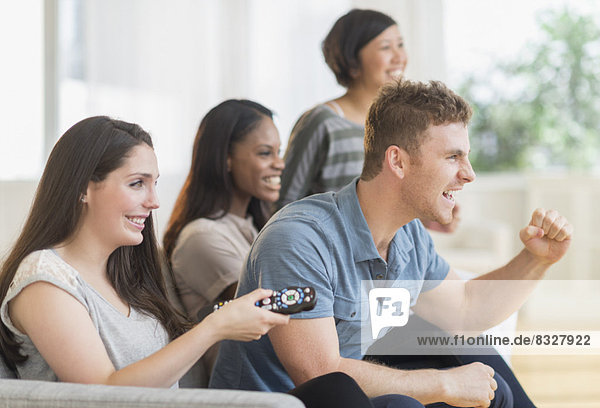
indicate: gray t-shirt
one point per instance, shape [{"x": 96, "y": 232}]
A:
[{"x": 127, "y": 339}]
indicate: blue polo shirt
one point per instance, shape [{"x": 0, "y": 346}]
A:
[{"x": 322, "y": 241}]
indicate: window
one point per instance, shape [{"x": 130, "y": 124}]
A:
[
  {"x": 532, "y": 71},
  {"x": 21, "y": 89}
]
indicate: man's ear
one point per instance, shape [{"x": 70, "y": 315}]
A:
[{"x": 396, "y": 160}]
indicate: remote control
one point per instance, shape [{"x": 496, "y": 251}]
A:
[{"x": 288, "y": 300}]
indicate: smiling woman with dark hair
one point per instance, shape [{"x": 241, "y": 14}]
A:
[
  {"x": 81, "y": 292},
  {"x": 365, "y": 50},
  {"x": 234, "y": 176}
]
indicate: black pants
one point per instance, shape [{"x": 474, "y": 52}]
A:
[
  {"x": 509, "y": 393},
  {"x": 338, "y": 390}
]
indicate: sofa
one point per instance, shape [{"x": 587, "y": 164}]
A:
[{"x": 42, "y": 394}]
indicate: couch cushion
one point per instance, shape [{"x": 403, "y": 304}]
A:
[{"x": 41, "y": 394}]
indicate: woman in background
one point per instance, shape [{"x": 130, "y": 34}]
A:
[
  {"x": 365, "y": 50},
  {"x": 234, "y": 176}
]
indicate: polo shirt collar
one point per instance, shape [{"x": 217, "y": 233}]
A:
[{"x": 359, "y": 234}]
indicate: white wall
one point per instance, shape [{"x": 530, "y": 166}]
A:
[
  {"x": 164, "y": 64},
  {"x": 15, "y": 200}
]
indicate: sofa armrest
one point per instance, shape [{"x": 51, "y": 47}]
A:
[{"x": 42, "y": 394}]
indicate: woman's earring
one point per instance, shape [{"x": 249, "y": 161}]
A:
[{"x": 82, "y": 199}]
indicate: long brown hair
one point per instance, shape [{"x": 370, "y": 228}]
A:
[
  {"x": 89, "y": 151},
  {"x": 208, "y": 188}
]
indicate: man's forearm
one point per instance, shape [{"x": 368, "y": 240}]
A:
[
  {"x": 425, "y": 386},
  {"x": 470, "y": 385},
  {"x": 524, "y": 266},
  {"x": 493, "y": 297}
]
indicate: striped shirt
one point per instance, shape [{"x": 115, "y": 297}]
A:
[{"x": 325, "y": 152}]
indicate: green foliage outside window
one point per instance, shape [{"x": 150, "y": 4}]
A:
[{"x": 542, "y": 110}]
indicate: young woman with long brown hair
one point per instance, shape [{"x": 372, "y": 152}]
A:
[{"x": 82, "y": 295}]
